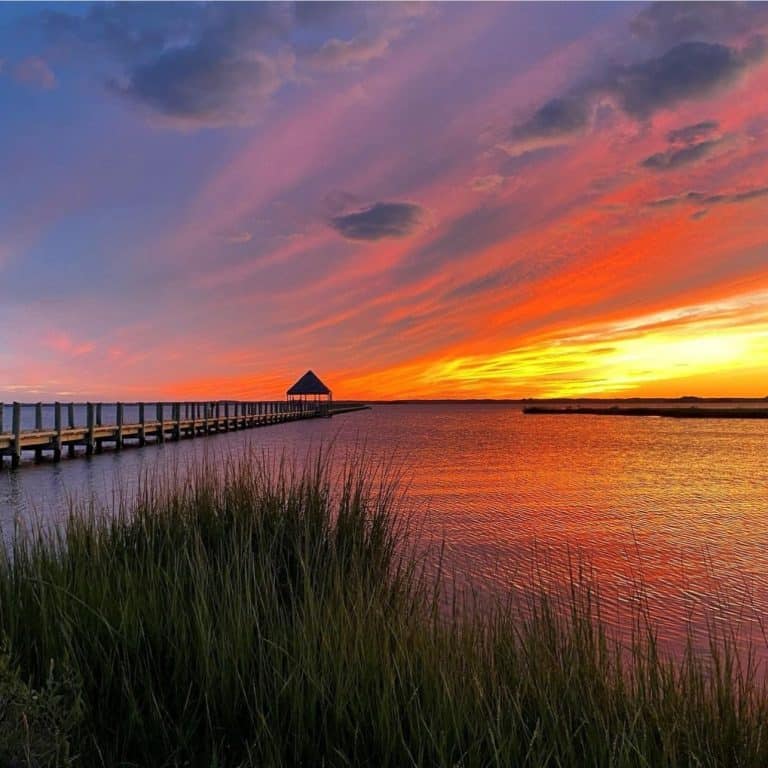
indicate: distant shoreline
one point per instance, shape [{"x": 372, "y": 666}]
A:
[
  {"x": 691, "y": 412},
  {"x": 531, "y": 401}
]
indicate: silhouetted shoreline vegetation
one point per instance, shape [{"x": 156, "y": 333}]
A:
[
  {"x": 270, "y": 615},
  {"x": 690, "y": 412}
]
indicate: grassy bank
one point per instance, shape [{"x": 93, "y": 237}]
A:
[{"x": 278, "y": 618}]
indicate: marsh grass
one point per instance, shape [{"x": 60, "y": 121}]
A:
[{"x": 271, "y": 615}]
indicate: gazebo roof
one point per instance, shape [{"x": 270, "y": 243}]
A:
[{"x": 309, "y": 384}]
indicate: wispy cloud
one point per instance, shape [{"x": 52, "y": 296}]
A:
[
  {"x": 487, "y": 183},
  {"x": 337, "y": 54},
  {"x": 675, "y": 157},
  {"x": 690, "y": 134},
  {"x": 717, "y": 198},
  {"x": 238, "y": 238}
]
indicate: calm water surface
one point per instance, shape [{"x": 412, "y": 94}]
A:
[{"x": 677, "y": 506}]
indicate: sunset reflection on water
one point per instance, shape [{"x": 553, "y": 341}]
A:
[{"x": 670, "y": 511}]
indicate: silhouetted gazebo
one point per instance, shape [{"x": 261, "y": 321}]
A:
[{"x": 309, "y": 387}]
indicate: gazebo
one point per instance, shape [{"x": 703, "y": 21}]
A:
[{"x": 310, "y": 388}]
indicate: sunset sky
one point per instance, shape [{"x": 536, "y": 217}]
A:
[{"x": 414, "y": 200}]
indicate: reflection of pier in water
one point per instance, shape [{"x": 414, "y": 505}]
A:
[{"x": 55, "y": 427}]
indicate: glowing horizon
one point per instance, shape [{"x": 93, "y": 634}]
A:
[{"x": 415, "y": 201}]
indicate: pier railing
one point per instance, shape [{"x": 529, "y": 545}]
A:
[{"x": 54, "y": 427}]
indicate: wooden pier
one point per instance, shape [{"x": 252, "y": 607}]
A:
[{"x": 140, "y": 423}]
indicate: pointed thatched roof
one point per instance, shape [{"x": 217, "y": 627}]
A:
[{"x": 309, "y": 384}]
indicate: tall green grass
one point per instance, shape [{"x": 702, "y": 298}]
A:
[{"x": 275, "y": 616}]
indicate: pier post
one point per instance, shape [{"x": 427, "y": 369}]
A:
[
  {"x": 89, "y": 420},
  {"x": 160, "y": 424},
  {"x": 71, "y": 425},
  {"x": 143, "y": 425},
  {"x": 16, "y": 426},
  {"x": 98, "y": 444},
  {"x": 119, "y": 419},
  {"x": 57, "y": 427},
  {"x": 205, "y": 417},
  {"x": 176, "y": 411},
  {"x": 226, "y": 415},
  {"x": 38, "y": 428}
]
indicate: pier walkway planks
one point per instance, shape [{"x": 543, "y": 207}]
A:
[{"x": 170, "y": 421}]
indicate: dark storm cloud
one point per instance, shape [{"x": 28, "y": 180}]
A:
[
  {"x": 677, "y": 156},
  {"x": 379, "y": 221},
  {"x": 667, "y": 23},
  {"x": 686, "y": 71},
  {"x": 690, "y": 134}
]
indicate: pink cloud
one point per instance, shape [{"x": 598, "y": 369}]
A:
[
  {"x": 35, "y": 71},
  {"x": 63, "y": 343}
]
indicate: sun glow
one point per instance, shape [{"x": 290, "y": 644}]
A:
[{"x": 703, "y": 344}]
